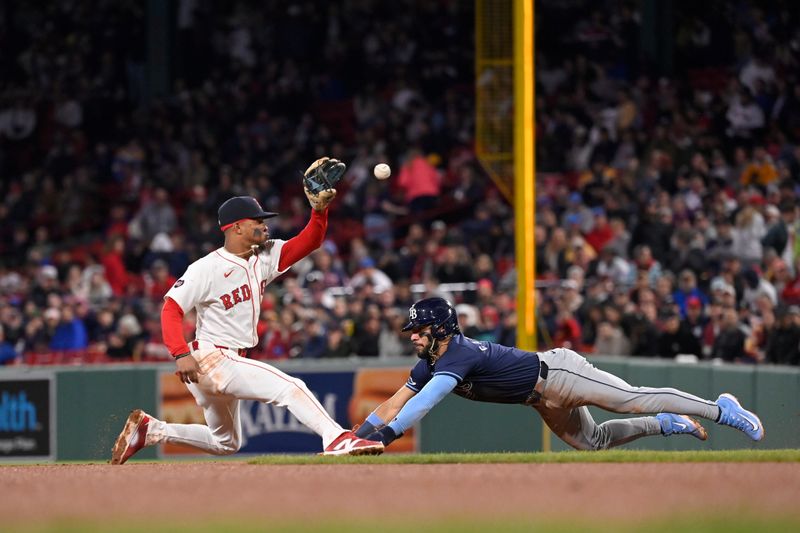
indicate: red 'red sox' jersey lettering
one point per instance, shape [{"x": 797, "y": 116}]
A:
[{"x": 235, "y": 297}]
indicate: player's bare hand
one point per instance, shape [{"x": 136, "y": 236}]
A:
[
  {"x": 320, "y": 201},
  {"x": 187, "y": 369}
]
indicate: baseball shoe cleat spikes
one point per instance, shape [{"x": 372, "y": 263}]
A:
[
  {"x": 672, "y": 424},
  {"x": 132, "y": 439},
  {"x": 348, "y": 444},
  {"x": 731, "y": 413}
]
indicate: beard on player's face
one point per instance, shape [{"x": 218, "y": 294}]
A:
[{"x": 421, "y": 339}]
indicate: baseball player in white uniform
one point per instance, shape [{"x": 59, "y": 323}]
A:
[{"x": 225, "y": 288}]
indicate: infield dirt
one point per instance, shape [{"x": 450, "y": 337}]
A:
[{"x": 46, "y": 494}]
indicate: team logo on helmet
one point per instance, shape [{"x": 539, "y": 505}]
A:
[{"x": 435, "y": 312}]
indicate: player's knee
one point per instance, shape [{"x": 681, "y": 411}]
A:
[
  {"x": 228, "y": 445},
  {"x": 584, "y": 446},
  {"x": 589, "y": 443}
]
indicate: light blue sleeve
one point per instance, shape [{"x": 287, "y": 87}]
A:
[{"x": 418, "y": 406}]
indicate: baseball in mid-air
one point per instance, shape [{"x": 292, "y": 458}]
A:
[{"x": 382, "y": 171}]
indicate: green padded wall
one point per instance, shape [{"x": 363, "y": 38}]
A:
[
  {"x": 459, "y": 425},
  {"x": 93, "y": 406}
]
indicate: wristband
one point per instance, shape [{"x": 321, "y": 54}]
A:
[
  {"x": 182, "y": 355},
  {"x": 365, "y": 429},
  {"x": 386, "y": 435},
  {"x": 372, "y": 424}
]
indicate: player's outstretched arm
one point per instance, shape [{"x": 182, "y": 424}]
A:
[
  {"x": 385, "y": 411},
  {"x": 416, "y": 408},
  {"x": 318, "y": 182}
]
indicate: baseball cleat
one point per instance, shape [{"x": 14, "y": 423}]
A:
[
  {"x": 672, "y": 424},
  {"x": 731, "y": 413},
  {"x": 348, "y": 444},
  {"x": 132, "y": 438}
]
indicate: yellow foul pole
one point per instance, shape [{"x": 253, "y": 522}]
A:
[{"x": 524, "y": 178}]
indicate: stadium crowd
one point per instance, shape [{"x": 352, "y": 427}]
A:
[{"x": 667, "y": 204}]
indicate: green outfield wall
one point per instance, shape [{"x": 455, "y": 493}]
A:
[{"x": 89, "y": 404}]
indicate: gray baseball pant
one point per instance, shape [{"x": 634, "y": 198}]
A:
[{"x": 572, "y": 383}]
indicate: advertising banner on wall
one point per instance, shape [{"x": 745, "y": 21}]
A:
[
  {"x": 271, "y": 429},
  {"x": 26, "y": 418}
]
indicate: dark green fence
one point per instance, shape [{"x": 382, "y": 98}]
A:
[{"x": 93, "y": 405}]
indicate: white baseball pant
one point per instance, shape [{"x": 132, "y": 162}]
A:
[{"x": 224, "y": 379}]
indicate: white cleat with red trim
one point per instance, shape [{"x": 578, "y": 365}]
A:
[
  {"x": 132, "y": 438},
  {"x": 348, "y": 444}
]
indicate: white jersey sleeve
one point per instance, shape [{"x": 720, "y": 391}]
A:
[{"x": 192, "y": 288}]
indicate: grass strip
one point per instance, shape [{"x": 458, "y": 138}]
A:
[
  {"x": 606, "y": 456},
  {"x": 734, "y": 523}
]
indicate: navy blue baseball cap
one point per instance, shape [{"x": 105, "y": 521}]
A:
[{"x": 239, "y": 208}]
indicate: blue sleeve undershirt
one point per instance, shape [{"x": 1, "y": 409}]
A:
[{"x": 418, "y": 406}]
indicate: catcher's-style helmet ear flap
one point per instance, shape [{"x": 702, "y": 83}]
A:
[{"x": 435, "y": 312}]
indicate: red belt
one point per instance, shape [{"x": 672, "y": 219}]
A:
[{"x": 242, "y": 352}]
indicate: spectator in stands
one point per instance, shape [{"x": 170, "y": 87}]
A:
[
  {"x": 8, "y": 355},
  {"x": 687, "y": 289},
  {"x": 420, "y": 182},
  {"x": 455, "y": 266},
  {"x": 675, "y": 338},
  {"x": 778, "y": 231},
  {"x": 159, "y": 280},
  {"x": 695, "y": 321},
  {"x": 609, "y": 265},
  {"x": 748, "y": 231},
  {"x": 610, "y": 340},
  {"x": 70, "y": 334},
  {"x": 760, "y": 171},
  {"x": 315, "y": 344},
  {"x": 745, "y": 117},
  {"x": 729, "y": 343},
  {"x": 114, "y": 265},
  {"x": 367, "y": 335},
  {"x": 46, "y": 284},
  {"x": 390, "y": 342},
  {"x": 337, "y": 342},
  {"x": 368, "y": 273},
  {"x": 275, "y": 339},
  {"x": 783, "y": 339},
  {"x": 155, "y": 216},
  {"x": 639, "y": 326},
  {"x": 126, "y": 342},
  {"x": 756, "y": 286}
]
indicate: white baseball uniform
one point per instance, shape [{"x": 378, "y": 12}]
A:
[{"x": 226, "y": 291}]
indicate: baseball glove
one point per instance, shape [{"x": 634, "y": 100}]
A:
[
  {"x": 319, "y": 180},
  {"x": 323, "y": 174}
]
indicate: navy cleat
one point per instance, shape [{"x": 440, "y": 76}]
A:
[
  {"x": 672, "y": 424},
  {"x": 731, "y": 413}
]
